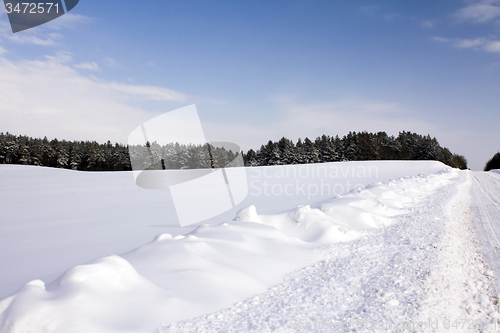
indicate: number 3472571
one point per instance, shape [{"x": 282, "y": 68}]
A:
[{"x": 32, "y": 8}]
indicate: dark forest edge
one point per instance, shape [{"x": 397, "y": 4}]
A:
[
  {"x": 493, "y": 163},
  {"x": 93, "y": 156}
]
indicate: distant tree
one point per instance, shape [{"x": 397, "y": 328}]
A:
[
  {"x": 493, "y": 163},
  {"x": 366, "y": 147},
  {"x": 299, "y": 152},
  {"x": 287, "y": 151},
  {"x": 311, "y": 154},
  {"x": 250, "y": 158},
  {"x": 326, "y": 149},
  {"x": 350, "y": 147},
  {"x": 459, "y": 161}
]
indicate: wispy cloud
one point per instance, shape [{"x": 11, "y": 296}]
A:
[
  {"x": 391, "y": 16},
  {"x": 480, "y": 11},
  {"x": 470, "y": 43},
  {"x": 297, "y": 119},
  {"x": 49, "y": 97},
  {"x": 480, "y": 44},
  {"x": 492, "y": 46},
  {"x": 377, "y": 11},
  {"x": 369, "y": 9},
  {"x": 110, "y": 62},
  {"x": 44, "y": 35},
  {"x": 36, "y": 39},
  {"x": 91, "y": 66},
  {"x": 67, "y": 21},
  {"x": 4, "y": 23},
  {"x": 347, "y": 115},
  {"x": 60, "y": 57},
  {"x": 146, "y": 92},
  {"x": 427, "y": 24}
]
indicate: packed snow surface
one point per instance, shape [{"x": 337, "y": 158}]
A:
[{"x": 401, "y": 253}]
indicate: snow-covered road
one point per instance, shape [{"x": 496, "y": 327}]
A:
[{"x": 486, "y": 212}]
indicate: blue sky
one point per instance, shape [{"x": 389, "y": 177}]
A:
[{"x": 260, "y": 70}]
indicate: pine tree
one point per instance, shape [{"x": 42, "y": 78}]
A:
[
  {"x": 324, "y": 146},
  {"x": 311, "y": 154},
  {"x": 350, "y": 143},
  {"x": 287, "y": 151},
  {"x": 299, "y": 152},
  {"x": 250, "y": 158},
  {"x": 366, "y": 148}
]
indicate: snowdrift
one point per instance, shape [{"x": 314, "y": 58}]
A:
[
  {"x": 176, "y": 277},
  {"x": 54, "y": 219}
]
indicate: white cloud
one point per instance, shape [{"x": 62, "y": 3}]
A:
[
  {"x": 2, "y": 51},
  {"x": 44, "y": 39},
  {"x": 111, "y": 62},
  {"x": 49, "y": 98},
  {"x": 45, "y": 34},
  {"x": 67, "y": 21},
  {"x": 427, "y": 24},
  {"x": 4, "y": 24},
  {"x": 470, "y": 43},
  {"x": 492, "y": 46},
  {"x": 146, "y": 92},
  {"x": 441, "y": 39},
  {"x": 60, "y": 57},
  {"x": 481, "y": 44},
  {"x": 480, "y": 11},
  {"x": 91, "y": 66}
]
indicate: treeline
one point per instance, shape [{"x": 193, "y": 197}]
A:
[
  {"x": 493, "y": 163},
  {"x": 153, "y": 156},
  {"x": 92, "y": 156},
  {"x": 76, "y": 155},
  {"x": 354, "y": 146}
]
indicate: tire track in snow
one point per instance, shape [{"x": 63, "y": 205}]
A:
[
  {"x": 459, "y": 290},
  {"x": 486, "y": 213}
]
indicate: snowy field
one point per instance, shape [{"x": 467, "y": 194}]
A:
[{"x": 359, "y": 246}]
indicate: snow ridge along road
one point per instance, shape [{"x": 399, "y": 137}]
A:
[{"x": 424, "y": 273}]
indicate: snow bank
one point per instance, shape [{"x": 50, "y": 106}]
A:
[
  {"x": 212, "y": 267},
  {"x": 54, "y": 219}
]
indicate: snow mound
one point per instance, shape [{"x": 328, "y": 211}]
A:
[
  {"x": 248, "y": 214},
  {"x": 344, "y": 217},
  {"x": 106, "y": 295}
]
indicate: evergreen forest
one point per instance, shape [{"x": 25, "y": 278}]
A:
[{"x": 94, "y": 156}]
